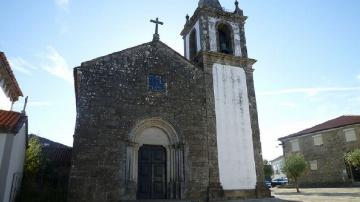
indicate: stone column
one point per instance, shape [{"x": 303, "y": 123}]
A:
[
  {"x": 130, "y": 175},
  {"x": 176, "y": 172},
  {"x": 172, "y": 172},
  {"x": 181, "y": 174}
]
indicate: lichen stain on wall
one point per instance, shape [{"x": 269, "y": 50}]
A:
[{"x": 234, "y": 133}]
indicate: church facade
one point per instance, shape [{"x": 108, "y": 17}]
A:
[{"x": 153, "y": 124}]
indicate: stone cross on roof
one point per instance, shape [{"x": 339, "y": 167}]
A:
[{"x": 156, "y": 36}]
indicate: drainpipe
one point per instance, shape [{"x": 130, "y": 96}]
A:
[
  {"x": 25, "y": 104},
  {"x": 12, "y": 105}
]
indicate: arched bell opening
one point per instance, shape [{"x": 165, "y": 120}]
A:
[
  {"x": 193, "y": 44},
  {"x": 225, "y": 39}
]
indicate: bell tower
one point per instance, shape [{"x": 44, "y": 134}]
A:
[
  {"x": 214, "y": 39},
  {"x": 213, "y": 29}
]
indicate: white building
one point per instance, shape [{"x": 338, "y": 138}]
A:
[
  {"x": 13, "y": 134},
  {"x": 277, "y": 165}
]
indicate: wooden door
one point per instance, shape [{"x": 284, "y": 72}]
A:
[{"x": 152, "y": 172}]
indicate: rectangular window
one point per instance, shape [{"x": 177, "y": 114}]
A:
[
  {"x": 313, "y": 165},
  {"x": 156, "y": 83},
  {"x": 318, "y": 140},
  {"x": 295, "y": 145},
  {"x": 350, "y": 135}
]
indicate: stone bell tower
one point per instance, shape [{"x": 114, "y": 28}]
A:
[{"x": 215, "y": 40}]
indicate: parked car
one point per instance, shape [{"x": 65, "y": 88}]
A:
[
  {"x": 279, "y": 181},
  {"x": 268, "y": 184}
]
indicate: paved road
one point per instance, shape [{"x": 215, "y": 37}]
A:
[
  {"x": 318, "y": 194},
  {"x": 311, "y": 195}
]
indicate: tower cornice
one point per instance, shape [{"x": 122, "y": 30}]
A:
[{"x": 207, "y": 58}]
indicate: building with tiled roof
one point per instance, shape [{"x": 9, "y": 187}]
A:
[
  {"x": 10, "y": 88},
  {"x": 324, "y": 147},
  {"x": 13, "y": 134}
]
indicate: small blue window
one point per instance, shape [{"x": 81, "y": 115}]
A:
[{"x": 157, "y": 83}]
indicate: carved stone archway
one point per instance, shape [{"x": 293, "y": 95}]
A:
[{"x": 156, "y": 131}]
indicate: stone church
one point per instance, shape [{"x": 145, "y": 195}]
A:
[{"x": 153, "y": 124}]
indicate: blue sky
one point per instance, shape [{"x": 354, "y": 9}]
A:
[{"x": 308, "y": 53}]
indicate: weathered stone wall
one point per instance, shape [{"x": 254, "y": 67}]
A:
[
  {"x": 112, "y": 96},
  {"x": 207, "y": 59},
  {"x": 331, "y": 167}
]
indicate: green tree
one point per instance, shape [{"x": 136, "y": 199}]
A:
[
  {"x": 353, "y": 158},
  {"x": 294, "y": 167},
  {"x": 268, "y": 170},
  {"x": 33, "y": 157}
]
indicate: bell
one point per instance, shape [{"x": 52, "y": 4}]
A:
[{"x": 224, "y": 48}]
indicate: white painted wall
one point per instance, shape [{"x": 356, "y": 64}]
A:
[
  {"x": 187, "y": 41},
  {"x": 213, "y": 38},
  {"x": 5, "y": 103},
  {"x": 233, "y": 124},
  {"x": 16, "y": 160},
  {"x": 2, "y": 146},
  {"x": 277, "y": 165}
]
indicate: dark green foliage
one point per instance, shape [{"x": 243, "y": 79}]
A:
[
  {"x": 353, "y": 158},
  {"x": 46, "y": 178},
  {"x": 33, "y": 157},
  {"x": 268, "y": 170}
]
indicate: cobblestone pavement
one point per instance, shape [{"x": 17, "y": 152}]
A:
[{"x": 318, "y": 194}]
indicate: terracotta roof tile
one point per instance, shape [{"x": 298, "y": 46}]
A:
[
  {"x": 333, "y": 123},
  {"x": 9, "y": 120},
  {"x": 17, "y": 91}
]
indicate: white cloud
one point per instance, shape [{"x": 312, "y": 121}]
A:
[
  {"x": 56, "y": 65},
  {"x": 358, "y": 77},
  {"x": 354, "y": 99},
  {"x": 22, "y": 65},
  {"x": 63, "y": 4},
  {"x": 288, "y": 104},
  {"x": 309, "y": 91},
  {"x": 39, "y": 104}
]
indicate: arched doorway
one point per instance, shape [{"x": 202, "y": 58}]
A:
[{"x": 150, "y": 141}]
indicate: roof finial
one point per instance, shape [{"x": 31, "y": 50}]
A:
[
  {"x": 237, "y": 9},
  {"x": 210, "y": 4},
  {"x": 156, "y": 36},
  {"x": 187, "y": 18}
]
